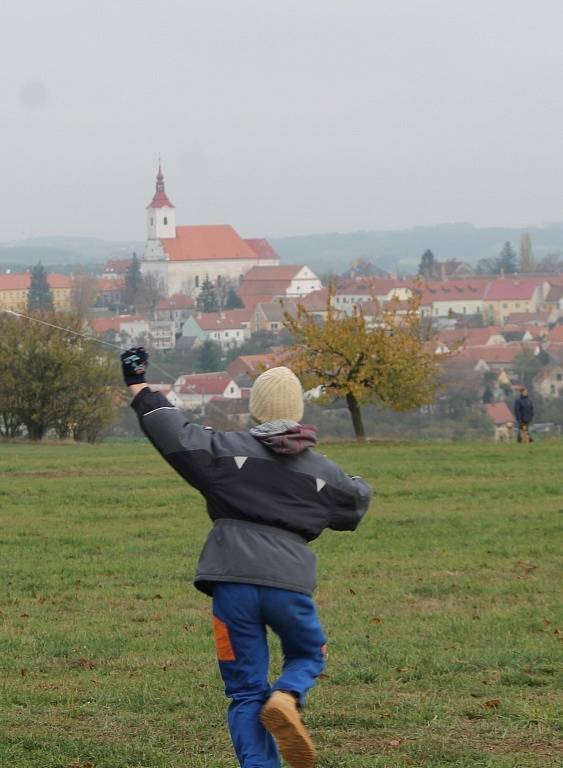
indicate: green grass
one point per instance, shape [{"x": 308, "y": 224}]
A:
[{"x": 442, "y": 612}]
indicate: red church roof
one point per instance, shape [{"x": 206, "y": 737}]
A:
[{"x": 210, "y": 242}]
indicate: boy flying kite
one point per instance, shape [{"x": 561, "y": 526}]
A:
[{"x": 268, "y": 494}]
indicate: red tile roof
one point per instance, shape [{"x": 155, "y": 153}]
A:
[
  {"x": 284, "y": 273},
  {"x": 468, "y": 337},
  {"x": 556, "y": 334},
  {"x": 113, "y": 322},
  {"x": 499, "y": 413},
  {"x": 267, "y": 290},
  {"x": 205, "y": 383},
  {"x": 210, "y": 242},
  {"x": 528, "y": 317},
  {"x": 117, "y": 266},
  {"x": 218, "y": 321},
  {"x": 20, "y": 281},
  {"x": 471, "y": 289},
  {"x": 104, "y": 324},
  {"x": 110, "y": 284},
  {"x": 504, "y": 353},
  {"x": 262, "y": 248},
  {"x": 177, "y": 301},
  {"x": 512, "y": 289},
  {"x": 372, "y": 308},
  {"x": 368, "y": 286},
  {"x": 315, "y": 301}
]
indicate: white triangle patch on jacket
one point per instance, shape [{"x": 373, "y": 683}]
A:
[
  {"x": 239, "y": 460},
  {"x": 320, "y": 484}
]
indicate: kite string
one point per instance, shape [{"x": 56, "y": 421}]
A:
[{"x": 83, "y": 336}]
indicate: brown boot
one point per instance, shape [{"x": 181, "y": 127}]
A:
[{"x": 281, "y": 717}]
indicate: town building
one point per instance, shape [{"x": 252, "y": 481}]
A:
[
  {"x": 182, "y": 257},
  {"x": 349, "y": 293},
  {"x": 453, "y": 297},
  {"x": 264, "y": 284},
  {"x": 176, "y": 308},
  {"x": 228, "y": 329},
  {"x": 14, "y": 291},
  {"x": 549, "y": 381},
  {"x": 504, "y": 296},
  {"x": 197, "y": 389}
]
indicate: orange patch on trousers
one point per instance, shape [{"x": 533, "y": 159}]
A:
[{"x": 223, "y": 644}]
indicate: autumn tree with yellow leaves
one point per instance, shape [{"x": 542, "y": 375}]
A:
[{"x": 388, "y": 364}]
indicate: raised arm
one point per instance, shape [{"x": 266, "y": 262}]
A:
[{"x": 186, "y": 447}]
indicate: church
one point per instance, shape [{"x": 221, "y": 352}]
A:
[{"x": 182, "y": 257}]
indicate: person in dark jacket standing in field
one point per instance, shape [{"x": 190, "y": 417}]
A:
[
  {"x": 268, "y": 494},
  {"x": 524, "y": 413}
]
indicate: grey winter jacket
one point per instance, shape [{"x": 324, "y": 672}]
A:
[{"x": 265, "y": 506}]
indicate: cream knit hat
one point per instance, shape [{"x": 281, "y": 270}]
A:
[{"x": 276, "y": 394}]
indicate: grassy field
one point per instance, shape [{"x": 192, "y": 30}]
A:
[{"x": 442, "y": 612}]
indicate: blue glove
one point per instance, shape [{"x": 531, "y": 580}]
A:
[{"x": 134, "y": 364}]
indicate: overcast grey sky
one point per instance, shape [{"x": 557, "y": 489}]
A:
[{"x": 279, "y": 116}]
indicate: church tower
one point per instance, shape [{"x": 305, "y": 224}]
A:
[{"x": 161, "y": 214}]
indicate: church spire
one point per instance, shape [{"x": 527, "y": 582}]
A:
[{"x": 160, "y": 199}]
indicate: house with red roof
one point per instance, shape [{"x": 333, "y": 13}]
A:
[
  {"x": 350, "y": 292},
  {"x": 197, "y": 389},
  {"x": 14, "y": 290},
  {"x": 228, "y": 329},
  {"x": 506, "y": 295},
  {"x": 264, "y": 284},
  {"x": 453, "y": 297},
  {"x": 184, "y": 256},
  {"x": 270, "y": 315},
  {"x": 492, "y": 358},
  {"x": 135, "y": 329},
  {"x": 110, "y": 291},
  {"x": 116, "y": 269},
  {"x": 176, "y": 309}
]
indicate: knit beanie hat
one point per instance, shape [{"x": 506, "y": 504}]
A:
[{"x": 276, "y": 394}]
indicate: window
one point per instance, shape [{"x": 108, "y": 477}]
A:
[
  {"x": 152, "y": 221},
  {"x": 273, "y": 326},
  {"x": 517, "y": 304},
  {"x": 504, "y": 306},
  {"x": 165, "y": 220},
  {"x": 465, "y": 310},
  {"x": 232, "y": 390},
  {"x": 226, "y": 334},
  {"x": 559, "y": 377},
  {"x": 552, "y": 389},
  {"x": 197, "y": 281}
]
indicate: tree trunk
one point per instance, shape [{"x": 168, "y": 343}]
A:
[
  {"x": 356, "y": 414},
  {"x": 35, "y": 431}
]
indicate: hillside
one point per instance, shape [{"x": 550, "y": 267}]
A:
[
  {"x": 394, "y": 250},
  {"x": 400, "y": 250}
]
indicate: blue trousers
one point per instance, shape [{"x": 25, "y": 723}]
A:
[{"x": 241, "y": 613}]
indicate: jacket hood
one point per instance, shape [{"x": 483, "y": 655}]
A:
[{"x": 285, "y": 436}]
